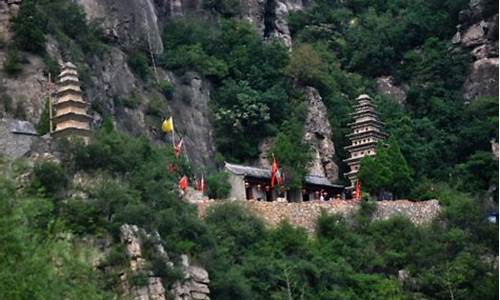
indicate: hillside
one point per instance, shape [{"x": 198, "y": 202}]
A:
[{"x": 245, "y": 80}]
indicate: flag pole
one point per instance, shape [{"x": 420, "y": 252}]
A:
[
  {"x": 173, "y": 133},
  {"x": 50, "y": 102}
]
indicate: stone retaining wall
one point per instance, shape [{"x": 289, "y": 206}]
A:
[{"x": 304, "y": 214}]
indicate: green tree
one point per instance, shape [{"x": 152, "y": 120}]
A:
[
  {"x": 386, "y": 171},
  {"x": 43, "y": 126}
]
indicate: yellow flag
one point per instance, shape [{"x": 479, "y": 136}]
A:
[{"x": 168, "y": 125}]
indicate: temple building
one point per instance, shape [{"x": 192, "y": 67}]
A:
[
  {"x": 365, "y": 135},
  {"x": 70, "y": 110},
  {"x": 252, "y": 183}
]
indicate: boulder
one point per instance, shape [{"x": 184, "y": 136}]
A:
[{"x": 318, "y": 133}]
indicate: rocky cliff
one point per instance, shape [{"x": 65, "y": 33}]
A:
[
  {"x": 318, "y": 133},
  {"x": 127, "y": 24},
  {"x": 478, "y": 32},
  {"x": 193, "y": 286}
]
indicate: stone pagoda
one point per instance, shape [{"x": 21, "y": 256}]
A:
[
  {"x": 366, "y": 133},
  {"x": 70, "y": 110}
]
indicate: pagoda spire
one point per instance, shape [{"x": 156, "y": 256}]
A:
[
  {"x": 70, "y": 118},
  {"x": 366, "y": 132}
]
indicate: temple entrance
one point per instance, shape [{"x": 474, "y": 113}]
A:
[
  {"x": 248, "y": 193},
  {"x": 269, "y": 196}
]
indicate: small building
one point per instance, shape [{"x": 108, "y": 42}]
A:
[
  {"x": 255, "y": 183},
  {"x": 70, "y": 118},
  {"x": 366, "y": 134},
  {"x": 16, "y": 137}
]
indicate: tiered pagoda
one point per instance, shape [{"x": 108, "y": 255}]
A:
[
  {"x": 366, "y": 133},
  {"x": 70, "y": 118}
]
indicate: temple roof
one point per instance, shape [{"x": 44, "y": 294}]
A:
[
  {"x": 266, "y": 174},
  {"x": 69, "y": 65},
  {"x": 247, "y": 170},
  {"x": 21, "y": 127}
]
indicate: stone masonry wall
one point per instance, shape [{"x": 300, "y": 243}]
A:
[{"x": 304, "y": 214}]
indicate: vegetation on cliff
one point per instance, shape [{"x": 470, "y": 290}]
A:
[{"x": 440, "y": 148}]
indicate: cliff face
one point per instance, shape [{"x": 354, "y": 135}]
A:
[
  {"x": 128, "y": 23},
  {"x": 478, "y": 32},
  {"x": 318, "y": 134}
]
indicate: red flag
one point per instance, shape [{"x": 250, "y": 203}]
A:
[
  {"x": 178, "y": 148},
  {"x": 274, "y": 170},
  {"x": 203, "y": 183},
  {"x": 358, "y": 190},
  {"x": 183, "y": 183}
]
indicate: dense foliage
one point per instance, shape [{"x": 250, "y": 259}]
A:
[
  {"x": 386, "y": 172},
  {"x": 340, "y": 47},
  {"x": 38, "y": 259},
  {"x": 353, "y": 258}
]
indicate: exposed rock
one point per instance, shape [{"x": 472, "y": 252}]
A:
[
  {"x": 482, "y": 79},
  {"x": 128, "y": 21},
  {"x": 194, "y": 286},
  {"x": 386, "y": 86},
  {"x": 256, "y": 12},
  {"x": 8, "y": 8},
  {"x": 28, "y": 90},
  {"x": 478, "y": 32},
  {"x": 264, "y": 149},
  {"x": 318, "y": 134},
  {"x": 190, "y": 106},
  {"x": 494, "y": 148}
]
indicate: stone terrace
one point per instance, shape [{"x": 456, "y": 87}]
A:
[{"x": 304, "y": 214}]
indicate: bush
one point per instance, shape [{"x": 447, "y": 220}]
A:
[
  {"x": 12, "y": 64},
  {"x": 43, "y": 125},
  {"x": 51, "y": 177},
  {"x": 156, "y": 107},
  {"x": 218, "y": 186},
  {"x": 166, "y": 88},
  {"x": 138, "y": 62}
]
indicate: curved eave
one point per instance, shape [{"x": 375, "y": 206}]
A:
[
  {"x": 364, "y": 105},
  {"x": 69, "y": 91},
  {"x": 364, "y": 113},
  {"x": 356, "y": 159},
  {"x": 362, "y": 146},
  {"x": 365, "y": 122},
  {"x": 71, "y": 131},
  {"x": 64, "y": 81},
  {"x": 367, "y": 133},
  {"x": 70, "y": 102},
  {"x": 72, "y": 116}
]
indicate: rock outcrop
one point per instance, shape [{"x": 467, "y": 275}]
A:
[
  {"x": 478, "y": 32},
  {"x": 194, "y": 286},
  {"x": 386, "y": 86},
  {"x": 270, "y": 17},
  {"x": 130, "y": 22},
  {"x": 318, "y": 133},
  {"x": 8, "y": 8},
  {"x": 190, "y": 106}
]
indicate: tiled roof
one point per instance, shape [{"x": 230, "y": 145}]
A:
[
  {"x": 266, "y": 174},
  {"x": 21, "y": 127}
]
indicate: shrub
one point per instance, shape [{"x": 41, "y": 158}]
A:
[
  {"x": 51, "y": 177},
  {"x": 12, "y": 64},
  {"x": 43, "y": 125},
  {"x": 218, "y": 186},
  {"x": 156, "y": 107},
  {"x": 139, "y": 64},
  {"x": 166, "y": 88}
]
